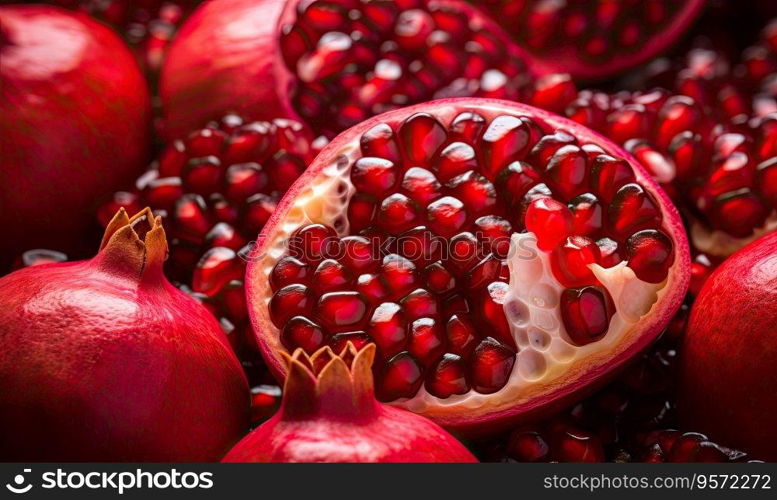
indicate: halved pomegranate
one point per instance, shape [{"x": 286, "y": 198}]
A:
[
  {"x": 594, "y": 40},
  {"x": 333, "y": 63},
  {"x": 503, "y": 259}
]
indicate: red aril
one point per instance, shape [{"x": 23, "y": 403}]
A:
[
  {"x": 333, "y": 63},
  {"x": 729, "y": 352},
  {"x": 76, "y": 115},
  {"x": 104, "y": 360},
  {"x": 525, "y": 333},
  {"x": 329, "y": 414},
  {"x": 594, "y": 40}
]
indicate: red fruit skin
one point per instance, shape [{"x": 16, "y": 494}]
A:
[
  {"x": 333, "y": 416},
  {"x": 485, "y": 424},
  {"x": 97, "y": 364},
  {"x": 226, "y": 57},
  {"x": 75, "y": 126},
  {"x": 728, "y": 384}
]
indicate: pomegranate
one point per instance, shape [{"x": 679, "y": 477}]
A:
[
  {"x": 329, "y": 414},
  {"x": 66, "y": 80},
  {"x": 503, "y": 259},
  {"x": 214, "y": 189},
  {"x": 729, "y": 354},
  {"x": 333, "y": 63},
  {"x": 594, "y": 40},
  {"x": 104, "y": 360}
]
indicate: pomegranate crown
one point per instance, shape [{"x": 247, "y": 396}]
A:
[
  {"x": 325, "y": 382},
  {"x": 134, "y": 246}
]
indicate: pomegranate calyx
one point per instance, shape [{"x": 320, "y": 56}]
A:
[
  {"x": 135, "y": 247},
  {"x": 340, "y": 386}
]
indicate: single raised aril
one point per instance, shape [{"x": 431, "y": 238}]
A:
[
  {"x": 729, "y": 352},
  {"x": 329, "y": 414},
  {"x": 334, "y": 64},
  {"x": 76, "y": 119},
  {"x": 124, "y": 365},
  {"x": 492, "y": 304},
  {"x": 593, "y": 40}
]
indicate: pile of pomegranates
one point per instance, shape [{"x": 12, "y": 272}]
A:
[{"x": 388, "y": 231}]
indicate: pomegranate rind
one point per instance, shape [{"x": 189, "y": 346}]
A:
[
  {"x": 729, "y": 353},
  {"x": 339, "y": 155}
]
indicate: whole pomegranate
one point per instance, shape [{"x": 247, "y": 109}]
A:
[
  {"x": 594, "y": 40},
  {"x": 329, "y": 414},
  {"x": 75, "y": 115},
  {"x": 104, "y": 360},
  {"x": 503, "y": 259},
  {"x": 333, "y": 63},
  {"x": 729, "y": 355}
]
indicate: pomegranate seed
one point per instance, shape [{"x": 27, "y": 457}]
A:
[
  {"x": 426, "y": 340},
  {"x": 455, "y": 159},
  {"x": 373, "y": 176},
  {"x": 570, "y": 261},
  {"x": 358, "y": 254},
  {"x": 243, "y": 180},
  {"x": 475, "y": 191},
  {"x": 418, "y": 304},
  {"x": 550, "y": 221},
  {"x": 373, "y": 287},
  {"x": 767, "y": 179},
  {"x": 632, "y": 209},
  {"x": 527, "y": 445},
  {"x": 400, "y": 275},
  {"x": 447, "y": 377},
  {"x": 567, "y": 172},
  {"x": 446, "y": 216},
  {"x": 398, "y": 213},
  {"x": 586, "y": 313},
  {"x": 461, "y": 335},
  {"x": 494, "y": 233},
  {"x": 288, "y": 270},
  {"x": 387, "y": 328},
  {"x": 438, "y": 279},
  {"x": 738, "y": 212},
  {"x": 608, "y": 252},
  {"x": 215, "y": 268},
  {"x": 421, "y": 135},
  {"x": 491, "y": 366},
  {"x": 506, "y": 139},
  {"x": 575, "y": 445},
  {"x": 312, "y": 243},
  {"x": 339, "y": 341},
  {"x": 256, "y": 213},
  {"x": 421, "y": 185},
  {"x": 467, "y": 127},
  {"x": 379, "y": 142},
  {"x": 401, "y": 378},
  {"x": 650, "y": 255},
  {"x": 515, "y": 180},
  {"x": 484, "y": 272},
  {"x": 224, "y": 235},
  {"x": 289, "y": 301},
  {"x": 341, "y": 309},
  {"x": 331, "y": 276},
  {"x": 608, "y": 175},
  {"x": 547, "y": 146},
  {"x": 300, "y": 332},
  {"x": 362, "y": 210},
  {"x": 491, "y": 311},
  {"x": 463, "y": 251}
]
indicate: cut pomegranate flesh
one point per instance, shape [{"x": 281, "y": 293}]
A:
[
  {"x": 214, "y": 190},
  {"x": 431, "y": 274},
  {"x": 594, "y": 40}
]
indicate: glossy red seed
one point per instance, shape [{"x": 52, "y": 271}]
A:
[
  {"x": 400, "y": 378},
  {"x": 426, "y": 340},
  {"x": 463, "y": 252},
  {"x": 527, "y": 445},
  {"x": 576, "y": 445},
  {"x": 550, "y": 221},
  {"x": 738, "y": 212},
  {"x": 632, "y": 209},
  {"x": 447, "y": 377},
  {"x": 339, "y": 310},
  {"x": 288, "y": 270},
  {"x": 483, "y": 273},
  {"x": 587, "y": 214},
  {"x": 312, "y": 243},
  {"x": 571, "y": 260},
  {"x": 467, "y": 127},
  {"x": 359, "y": 254},
  {"x": 243, "y": 180},
  {"x": 362, "y": 210},
  {"x": 475, "y": 191},
  {"x": 567, "y": 172},
  {"x": 515, "y": 180},
  {"x": 215, "y": 268},
  {"x": 224, "y": 235},
  {"x": 375, "y": 176},
  {"x": 491, "y": 366},
  {"x": 767, "y": 179},
  {"x": 455, "y": 159},
  {"x": 398, "y": 213},
  {"x": 331, "y": 276},
  {"x": 372, "y": 287},
  {"x": 387, "y": 327},
  {"x": 650, "y": 254},
  {"x": 400, "y": 274},
  {"x": 494, "y": 233},
  {"x": 586, "y": 313},
  {"x": 420, "y": 303},
  {"x": 421, "y": 136},
  {"x": 608, "y": 252},
  {"x": 506, "y": 139},
  {"x": 289, "y": 301},
  {"x": 608, "y": 175},
  {"x": 380, "y": 142},
  {"x": 420, "y": 185},
  {"x": 490, "y": 310},
  {"x": 446, "y": 216},
  {"x": 461, "y": 334},
  {"x": 339, "y": 341},
  {"x": 438, "y": 279},
  {"x": 300, "y": 332}
]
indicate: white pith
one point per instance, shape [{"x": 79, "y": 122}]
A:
[
  {"x": 720, "y": 243},
  {"x": 546, "y": 357}
]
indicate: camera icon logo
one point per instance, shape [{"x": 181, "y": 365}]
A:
[{"x": 18, "y": 484}]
